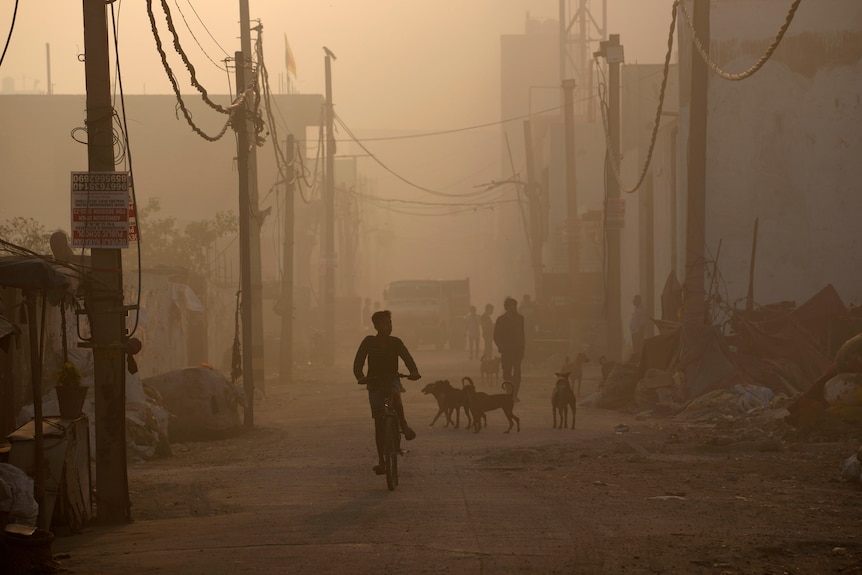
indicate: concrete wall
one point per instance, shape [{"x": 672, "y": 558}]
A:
[{"x": 784, "y": 147}]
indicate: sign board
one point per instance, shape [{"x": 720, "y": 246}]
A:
[
  {"x": 100, "y": 209},
  {"x": 615, "y": 212}
]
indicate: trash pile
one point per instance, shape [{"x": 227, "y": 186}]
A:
[{"x": 804, "y": 359}]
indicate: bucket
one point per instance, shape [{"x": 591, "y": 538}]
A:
[{"x": 71, "y": 401}]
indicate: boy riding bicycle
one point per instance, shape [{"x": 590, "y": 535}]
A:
[{"x": 382, "y": 352}]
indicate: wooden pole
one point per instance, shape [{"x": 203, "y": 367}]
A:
[{"x": 749, "y": 303}]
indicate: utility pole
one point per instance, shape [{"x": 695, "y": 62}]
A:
[
  {"x": 534, "y": 190},
  {"x": 329, "y": 223},
  {"x": 572, "y": 227},
  {"x": 612, "y": 51},
  {"x": 695, "y": 236},
  {"x": 240, "y": 124},
  {"x": 104, "y": 295},
  {"x": 286, "y": 360},
  {"x": 255, "y": 294}
]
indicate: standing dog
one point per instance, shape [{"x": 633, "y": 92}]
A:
[
  {"x": 563, "y": 399},
  {"x": 489, "y": 367},
  {"x": 480, "y": 403},
  {"x": 575, "y": 369},
  {"x": 468, "y": 389},
  {"x": 449, "y": 399}
]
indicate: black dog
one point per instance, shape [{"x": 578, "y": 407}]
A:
[
  {"x": 479, "y": 403},
  {"x": 563, "y": 399},
  {"x": 449, "y": 399},
  {"x": 467, "y": 389}
]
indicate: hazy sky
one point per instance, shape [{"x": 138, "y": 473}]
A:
[{"x": 400, "y": 63}]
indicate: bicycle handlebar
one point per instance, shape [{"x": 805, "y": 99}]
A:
[{"x": 374, "y": 379}]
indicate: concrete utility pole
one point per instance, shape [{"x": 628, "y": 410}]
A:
[
  {"x": 104, "y": 296},
  {"x": 612, "y": 51},
  {"x": 572, "y": 221},
  {"x": 329, "y": 223},
  {"x": 534, "y": 191},
  {"x": 286, "y": 359},
  {"x": 242, "y": 161},
  {"x": 255, "y": 294},
  {"x": 695, "y": 233}
]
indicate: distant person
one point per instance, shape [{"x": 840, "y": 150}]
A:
[
  {"x": 509, "y": 337},
  {"x": 486, "y": 322},
  {"x": 638, "y": 327},
  {"x": 382, "y": 352},
  {"x": 473, "y": 327}
]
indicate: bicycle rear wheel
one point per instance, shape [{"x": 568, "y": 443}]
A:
[{"x": 390, "y": 453}]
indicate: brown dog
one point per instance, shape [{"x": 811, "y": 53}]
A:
[
  {"x": 563, "y": 399},
  {"x": 479, "y": 403},
  {"x": 575, "y": 369},
  {"x": 489, "y": 367},
  {"x": 449, "y": 399}
]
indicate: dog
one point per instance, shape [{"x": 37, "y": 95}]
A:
[
  {"x": 468, "y": 389},
  {"x": 479, "y": 403},
  {"x": 575, "y": 369},
  {"x": 489, "y": 367},
  {"x": 449, "y": 399},
  {"x": 563, "y": 399}
]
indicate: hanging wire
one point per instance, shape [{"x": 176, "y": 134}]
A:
[
  {"x": 718, "y": 71},
  {"x": 614, "y": 159}
]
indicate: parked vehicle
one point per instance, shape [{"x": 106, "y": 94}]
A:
[{"x": 430, "y": 311}]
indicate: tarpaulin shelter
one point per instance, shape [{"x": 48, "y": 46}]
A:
[{"x": 41, "y": 281}]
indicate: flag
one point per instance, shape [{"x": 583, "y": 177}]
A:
[{"x": 290, "y": 62}]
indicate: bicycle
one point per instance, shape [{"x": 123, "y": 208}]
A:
[{"x": 392, "y": 429}]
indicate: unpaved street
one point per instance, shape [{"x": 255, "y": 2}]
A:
[{"x": 297, "y": 494}]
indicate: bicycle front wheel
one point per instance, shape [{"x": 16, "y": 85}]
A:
[{"x": 390, "y": 453}]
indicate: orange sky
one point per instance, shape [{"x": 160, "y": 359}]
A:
[{"x": 399, "y": 63}]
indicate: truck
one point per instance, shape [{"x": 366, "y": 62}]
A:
[{"x": 430, "y": 311}]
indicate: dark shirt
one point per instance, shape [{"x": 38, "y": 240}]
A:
[
  {"x": 382, "y": 358},
  {"x": 509, "y": 333}
]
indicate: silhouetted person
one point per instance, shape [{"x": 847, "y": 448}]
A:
[
  {"x": 509, "y": 337},
  {"x": 382, "y": 352},
  {"x": 486, "y": 322}
]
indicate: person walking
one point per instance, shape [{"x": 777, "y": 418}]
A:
[
  {"x": 486, "y": 322},
  {"x": 509, "y": 337},
  {"x": 472, "y": 323}
]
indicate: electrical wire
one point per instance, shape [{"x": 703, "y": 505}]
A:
[
  {"x": 186, "y": 22},
  {"x": 128, "y": 154},
  {"x": 716, "y": 69},
  {"x": 396, "y": 174},
  {"x": 615, "y": 160},
  {"x": 9, "y": 35}
]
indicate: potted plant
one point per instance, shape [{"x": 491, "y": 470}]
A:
[{"x": 70, "y": 393}]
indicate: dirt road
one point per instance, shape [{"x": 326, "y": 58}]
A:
[{"x": 297, "y": 495}]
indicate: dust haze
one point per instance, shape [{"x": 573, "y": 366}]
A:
[{"x": 402, "y": 69}]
